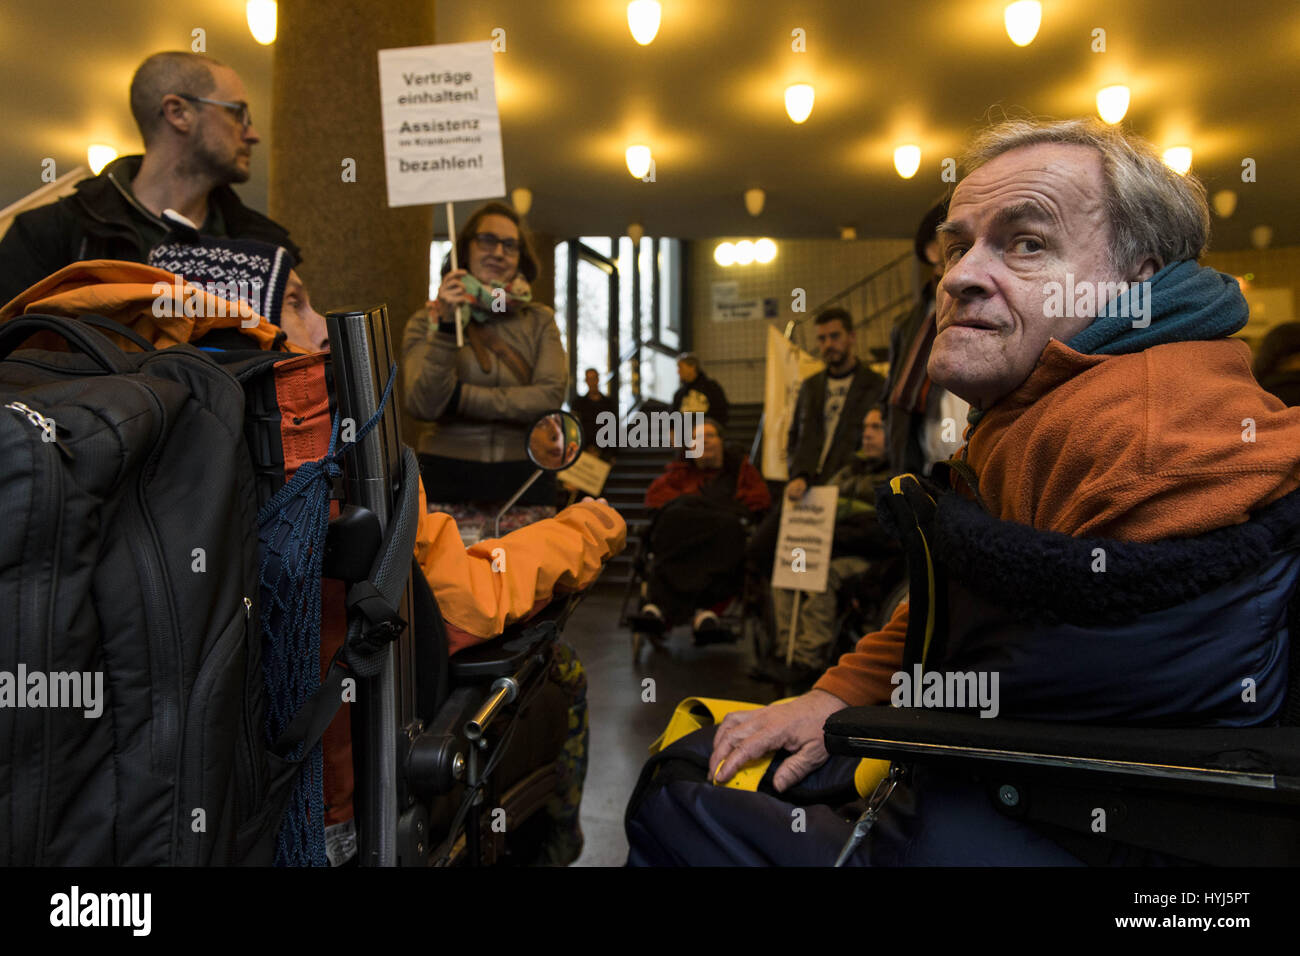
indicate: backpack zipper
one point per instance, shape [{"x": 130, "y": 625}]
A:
[
  {"x": 253, "y": 735},
  {"x": 160, "y": 619},
  {"x": 54, "y": 494},
  {"x": 37, "y": 620},
  {"x": 49, "y": 428}
]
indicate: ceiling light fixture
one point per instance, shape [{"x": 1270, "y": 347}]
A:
[
  {"x": 907, "y": 160},
  {"x": 1179, "y": 159},
  {"x": 635, "y": 232},
  {"x": 744, "y": 252},
  {"x": 522, "y": 200},
  {"x": 261, "y": 20},
  {"x": 1225, "y": 203},
  {"x": 98, "y": 156},
  {"x": 638, "y": 160},
  {"x": 1112, "y": 103},
  {"x": 725, "y": 254},
  {"x": 643, "y": 20},
  {"x": 764, "y": 251},
  {"x": 754, "y": 199},
  {"x": 799, "y": 101},
  {"x": 1261, "y": 236},
  {"x": 1022, "y": 20}
]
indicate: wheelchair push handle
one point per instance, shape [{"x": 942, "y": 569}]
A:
[{"x": 505, "y": 690}]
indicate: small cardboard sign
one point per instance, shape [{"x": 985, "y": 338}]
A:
[
  {"x": 589, "y": 473},
  {"x": 803, "y": 544}
]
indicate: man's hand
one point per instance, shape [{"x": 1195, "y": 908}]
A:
[{"x": 795, "y": 726}]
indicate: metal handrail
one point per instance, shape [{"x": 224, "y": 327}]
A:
[{"x": 893, "y": 263}]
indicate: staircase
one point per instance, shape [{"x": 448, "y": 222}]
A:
[{"x": 632, "y": 474}]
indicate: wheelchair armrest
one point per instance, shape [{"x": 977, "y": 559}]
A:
[
  {"x": 501, "y": 656},
  {"x": 1264, "y": 761}
]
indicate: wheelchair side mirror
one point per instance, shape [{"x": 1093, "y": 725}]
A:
[{"x": 554, "y": 443}]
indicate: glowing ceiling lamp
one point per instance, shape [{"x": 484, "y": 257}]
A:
[
  {"x": 764, "y": 251},
  {"x": 638, "y": 160},
  {"x": 1178, "y": 158},
  {"x": 261, "y": 20},
  {"x": 1023, "y": 20},
  {"x": 99, "y": 156},
  {"x": 907, "y": 160},
  {"x": 799, "y": 101},
  {"x": 643, "y": 20},
  {"x": 744, "y": 252},
  {"x": 1225, "y": 203},
  {"x": 725, "y": 254},
  {"x": 1112, "y": 103}
]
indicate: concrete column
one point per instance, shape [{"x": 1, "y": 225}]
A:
[{"x": 325, "y": 109}]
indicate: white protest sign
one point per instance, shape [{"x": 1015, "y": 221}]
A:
[
  {"x": 589, "y": 473},
  {"x": 442, "y": 134},
  {"x": 803, "y": 543}
]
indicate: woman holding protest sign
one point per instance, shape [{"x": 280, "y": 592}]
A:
[{"x": 483, "y": 396}]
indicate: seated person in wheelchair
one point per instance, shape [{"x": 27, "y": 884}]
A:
[
  {"x": 859, "y": 543},
  {"x": 697, "y": 537},
  {"x": 1132, "y": 428},
  {"x": 476, "y": 599}
]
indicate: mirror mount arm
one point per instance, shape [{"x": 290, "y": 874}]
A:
[{"x": 496, "y": 526}]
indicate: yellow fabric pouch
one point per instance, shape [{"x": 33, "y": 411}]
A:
[{"x": 694, "y": 713}]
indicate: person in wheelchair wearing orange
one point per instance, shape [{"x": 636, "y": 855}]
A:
[
  {"x": 697, "y": 538},
  {"x": 477, "y": 600}
]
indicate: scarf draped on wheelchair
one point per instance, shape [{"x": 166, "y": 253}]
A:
[{"x": 1186, "y": 632}]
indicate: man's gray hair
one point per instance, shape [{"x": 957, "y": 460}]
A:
[
  {"x": 163, "y": 73},
  {"x": 1153, "y": 211}
]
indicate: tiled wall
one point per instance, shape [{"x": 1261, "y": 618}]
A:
[{"x": 734, "y": 352}]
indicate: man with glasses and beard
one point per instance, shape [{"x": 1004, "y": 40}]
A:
[{"x": 198, "y": 133}]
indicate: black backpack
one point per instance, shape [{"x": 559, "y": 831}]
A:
[{"x": 132, "y": 705}]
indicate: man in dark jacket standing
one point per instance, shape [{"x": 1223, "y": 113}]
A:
[
  {"x": 589, "y": 408},
  {"x": 698, "y": 392},
  {"x": 198, "y": 134}
]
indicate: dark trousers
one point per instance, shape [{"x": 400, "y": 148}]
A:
[
  {"x": 691, "y": 822},
  {"x": 761, "y": 552},
  {"x": 454, "y": 480}
]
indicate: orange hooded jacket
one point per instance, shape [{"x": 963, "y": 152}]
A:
[{"x": 1169, "y": 442}]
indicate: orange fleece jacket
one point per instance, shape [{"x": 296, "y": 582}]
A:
[{"x": 1170, "y": 442}]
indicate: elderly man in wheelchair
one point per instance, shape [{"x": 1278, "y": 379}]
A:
[
  {"x": 1093, "y": 663},
  {"x": 691, "y": 561}
]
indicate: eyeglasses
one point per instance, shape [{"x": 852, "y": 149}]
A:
[
  {"x": 238, "y": 110},
  {"x": 487, "y": 242}
]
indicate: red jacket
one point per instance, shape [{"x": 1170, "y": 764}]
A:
[{"x": 685, "y": 478}]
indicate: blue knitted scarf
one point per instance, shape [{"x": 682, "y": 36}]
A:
[{"x": 1183, "y": 302}]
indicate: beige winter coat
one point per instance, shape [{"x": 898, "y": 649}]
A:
[{"x": 495, "y": 408}]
